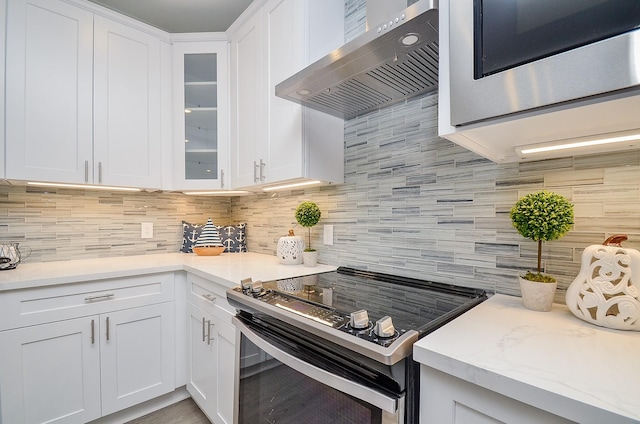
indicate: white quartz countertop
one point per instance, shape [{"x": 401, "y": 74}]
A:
[
  {"x": 551, "y": 360},
  {"x": 227, "y": 269}
]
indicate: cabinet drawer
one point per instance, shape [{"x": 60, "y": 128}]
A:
[
  {"x": 208, "y": 295},
  {"x": 21, "y": 308}
]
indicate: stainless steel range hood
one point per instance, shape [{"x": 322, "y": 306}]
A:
[{"x": 391, "y": 62}]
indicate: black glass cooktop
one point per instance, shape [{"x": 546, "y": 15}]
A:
[{"x": 412, "y": 304}]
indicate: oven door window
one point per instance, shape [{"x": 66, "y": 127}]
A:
[
  {"x": 514, "y": 32},
  {"x": 276, "y": 387}
]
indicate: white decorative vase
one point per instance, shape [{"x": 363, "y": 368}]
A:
[
  {"x": 537, "y": 296},
  {"x": 604, "y": 292},
  {"x": 290, "y": 249},
  {"x": 310, "y": 258}
]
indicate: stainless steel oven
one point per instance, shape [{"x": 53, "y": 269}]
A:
[{"x": 336, "y": 347}]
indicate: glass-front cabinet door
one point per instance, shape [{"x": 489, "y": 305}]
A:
[{"x": 200, "y": 117}]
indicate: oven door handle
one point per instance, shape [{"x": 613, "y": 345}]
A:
[{"x": 342, "y": 384}]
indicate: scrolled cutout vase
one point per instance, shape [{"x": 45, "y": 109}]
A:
[{"x": 605, "y": 292}]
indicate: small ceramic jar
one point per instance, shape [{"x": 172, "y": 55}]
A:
[{"x": 290, "y": 249}]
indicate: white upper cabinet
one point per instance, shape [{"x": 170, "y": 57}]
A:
[
  {"x": 200, "y": 93},
  {"x": 274, "y": 140},
  {"x": 247, "y": 103},
  {"x": 126, "y": 133},
  {"x": 67, "y": 124},
  {"x": 3, "y": 23},
  {"x": 49, "y": 83}
]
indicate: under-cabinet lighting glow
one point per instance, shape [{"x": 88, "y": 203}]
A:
[
  {"x": 216, "y": 193},
  {"x": 81, "y": 186},
  {"x": 187, "y": 111},
  {"x": 292, "y": 185},
  {"x": 576, "y": 144}
]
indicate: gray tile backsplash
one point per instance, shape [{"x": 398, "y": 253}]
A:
[
  {"x": 63, "y": 224},
  {"x": 421, "y": 206},
  {"x": 412, "y": 204}
]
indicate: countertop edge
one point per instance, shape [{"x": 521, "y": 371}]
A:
[
  {"x": 538, "y": 397},
  {"x": 227, "y": 269},
  {"x": 591, "y": 405}
]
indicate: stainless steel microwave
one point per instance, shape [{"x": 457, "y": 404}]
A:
[
  {"x": 509, "y": 94},
  {"x": 509, "y": 56}
]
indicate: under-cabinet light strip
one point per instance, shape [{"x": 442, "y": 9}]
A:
[
  {"x": 533, "y": 149},
  {"x": 80, "y": 186},
  {"x": 216, "y": 193},
  {"x": 292, "y": 185}
]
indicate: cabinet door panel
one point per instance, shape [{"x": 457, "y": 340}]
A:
[
  {"x": 200, "y": 86},
  {"x": 127, "y": 106},
  {"x": 50, "y": 373},
  {"x": 49, "y": 91},
  {"x": 3, "y": 32},
  {"x": 225, "y": 363},
  {"x": 201, "y": 359},
  {"x": 137, "y": 347},
  {"x": 449, "y": 400},
  {"x": 249, "y": 103},
  {"x": 283, "y": 24}
]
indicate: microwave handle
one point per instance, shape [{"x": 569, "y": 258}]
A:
[{"x": 342, "y": 384}]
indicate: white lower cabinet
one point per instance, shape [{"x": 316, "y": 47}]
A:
[
  {"x": 75, "y": 370},
  {"x": 211, "y": 350},
  {"x": 137, "y": 355},
  {"x": 445, "y": 399},
  {"x": 50, "y": 373}
]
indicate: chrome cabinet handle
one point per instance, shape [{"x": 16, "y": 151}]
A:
[
  {"x": 93, "y": 331},
  {"x": 86, "y": 171},
  {"x": 222, "y": 178},
  {"x": 209, "y": 338},
  {"x": 204, "y": 334},
  {"x": 100, "y": 172},
  {"x": 99, "y": 297},
  {"x": 256, "y": 167},
  {"x": 262, "y": 164},
  {"x": 209, "y": 297},
  {"x": 107, "y": 328}
]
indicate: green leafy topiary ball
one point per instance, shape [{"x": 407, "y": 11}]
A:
[
  {"x": 308, "y": 214},
  {"x": 542, "y": 216}
]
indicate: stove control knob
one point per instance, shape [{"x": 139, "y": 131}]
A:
[
  {"x": 359, "y": 319},
  {"x": 246, "y": 283},
  {"x": 256, "y": 286},
  {"x": 384, "y": 327}
]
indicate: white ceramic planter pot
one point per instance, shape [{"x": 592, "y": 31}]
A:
[
  {"x": 537, "y": 296},
  {"x": 310, "y": 258}
]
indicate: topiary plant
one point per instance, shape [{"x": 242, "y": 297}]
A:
[
  {"x": 542, "y": 216},
  {"x": 308, "y": 214}
]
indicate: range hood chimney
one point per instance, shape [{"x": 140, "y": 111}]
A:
[{"x": 396, "y": 59}]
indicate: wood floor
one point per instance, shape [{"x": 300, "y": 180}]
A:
[{"x": 183, "y": 412}]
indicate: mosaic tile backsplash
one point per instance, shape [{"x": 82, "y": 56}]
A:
[
  {"x": 63, "y": 224},
  {"x": 412, "y": 204}
]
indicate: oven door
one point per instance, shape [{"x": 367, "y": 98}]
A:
[{"x": 285, "y": 381}]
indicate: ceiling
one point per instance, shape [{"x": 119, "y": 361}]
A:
[{"x": 181, "y": 15}]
